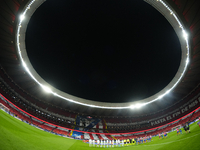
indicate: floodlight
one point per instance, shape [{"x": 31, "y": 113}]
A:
[
  {"x": 46, "y": 89},
  {"x": 24, "y": 64},
  {"x": 167, "y": 92},
  {"x": 55, "y": 94},
  {"x": 187, "y": 61},
  {"x": 160, "y": 97},
  {"x": 185, "y": 35},
  {"x": 22, "y": 17},
  {"x": 138, "y": 105}
]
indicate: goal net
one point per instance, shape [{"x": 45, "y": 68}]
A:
[{"x": 178, "y": 126}]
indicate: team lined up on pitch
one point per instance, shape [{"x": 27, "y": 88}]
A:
[{"x": 138, "y": 140}]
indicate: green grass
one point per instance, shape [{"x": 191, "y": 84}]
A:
[{"x": 17, "y": 135}]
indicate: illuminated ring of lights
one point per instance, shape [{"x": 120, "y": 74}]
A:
[{"x": 160, "y": 5}]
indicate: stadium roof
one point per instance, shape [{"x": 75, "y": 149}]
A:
[{"x": 188, "y": 13}]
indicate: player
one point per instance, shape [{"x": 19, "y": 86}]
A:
[
  {"x": 180, "y": 130},
  {"x": 98, "y": 142},
  {"x": 198, "y": 122},
  {"x": 150, "y": 138},
  {"x": 141, "y": 140},
  {"x": 134, "y": 140},
  {"x": 90, "y": 141},
  {"x": 119, "y": 142},
  {"x": 110, "y": 142},
  {"x": 122, "y": 142},
  {"x": 145, "y": 138},
  {"x": 127, "y": 142},
  {"x": 186, "y": 127},
  {"x": 159, "y": 136},
  {"x": 93, "y": 142},
  {"x": 162, "y": 135},
  {"x": 138, "y": 141},
  {"x": 113, "y": 143},
  {"x": 177, "y": 130},
  {"x": 165, "y": 134}
]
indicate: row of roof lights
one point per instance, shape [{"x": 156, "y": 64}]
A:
[{"x": 136, "y": 106}]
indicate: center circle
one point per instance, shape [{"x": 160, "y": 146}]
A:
[{"x": 109, "y": 51}]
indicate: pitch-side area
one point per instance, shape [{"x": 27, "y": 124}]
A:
[{"x": 17, "y": 135}]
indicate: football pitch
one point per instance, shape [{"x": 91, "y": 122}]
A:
[{"x": 17, "y": 135}]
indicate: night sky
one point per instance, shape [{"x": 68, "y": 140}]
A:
[{"x": 103, "y": 50}]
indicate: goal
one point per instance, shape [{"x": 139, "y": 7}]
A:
[{"x": 178, "y": 126}]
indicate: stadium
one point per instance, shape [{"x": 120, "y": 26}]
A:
[{"x": 42, "y": 116}]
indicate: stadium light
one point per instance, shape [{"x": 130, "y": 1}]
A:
[
  {"x": 185, "y": 35},
  {"x": 161, "y": 96},
  {"x": 167, "y": 92},
  {"x": 24, "y": 65},
  {"x": 22, "y": 17},
  {"x": 46, "y": 89},
  {"x": 139, "y": 105},
  {"x": 187, "y": 61},
  {"x": 55, "y": 94}
]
